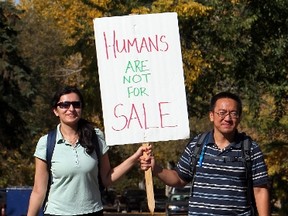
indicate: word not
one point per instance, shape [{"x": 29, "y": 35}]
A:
[
  {"x": 139, "y": 116},
  {"x": 156, "y": 43},
  {"x": 136, "y": 78}
]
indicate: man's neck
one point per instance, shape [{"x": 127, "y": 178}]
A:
[{"x": 223, "y": 140}]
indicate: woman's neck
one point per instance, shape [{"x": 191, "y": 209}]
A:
[{"x": 69, "y": 133}]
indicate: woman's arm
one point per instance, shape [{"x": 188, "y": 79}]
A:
[
  {"x": 39, "y": 189},
  {"x": 110, "y": 175}
]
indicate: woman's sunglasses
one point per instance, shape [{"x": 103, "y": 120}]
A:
[{"x": 67, "y": 104}]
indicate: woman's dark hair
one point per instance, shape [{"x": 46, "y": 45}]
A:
[
  {"x": 63, "y": 91},
  {"x": 85, "y": 130},
  {"x": 226, "y": 95}
]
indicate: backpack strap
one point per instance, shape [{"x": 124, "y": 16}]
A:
[
  {"x": 198, "y": 153},
  {"x": 51, "y": 141},
  {"x": 197, "y": 150},
  {"x": 97, "y": 150},
  {"x": 246, "y": 148}
]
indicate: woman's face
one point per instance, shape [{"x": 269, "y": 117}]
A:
[{"x": 69, "y": 109}]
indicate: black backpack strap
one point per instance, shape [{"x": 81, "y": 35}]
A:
[
  {"x": 98, "y": 153},
  {"x": 51, "y": 141},
  {"x": 246, "y": 148},
  {"x": 97, "y": 147},
  {"x": 197, "y": 150},
  {"x": 196, "y": 154}
]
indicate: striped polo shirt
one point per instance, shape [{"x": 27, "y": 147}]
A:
[{"x": 220, "y": 186}]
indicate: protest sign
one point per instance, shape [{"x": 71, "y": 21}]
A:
[{"x": 141, "y": 78}]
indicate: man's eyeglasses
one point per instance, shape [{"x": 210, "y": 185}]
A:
[
  {"x": 223, "y": 114},
  {"x": 67, "y": 104}
]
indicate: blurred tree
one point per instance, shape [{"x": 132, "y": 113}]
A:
[
  {"x": 67, "y": 27},
  {"x": 268, "y": 56},
  {"x": 245, "y": 43},
  {"x": 16, "y": 87},
  {"x": 234, "y": 45},
  {"x": 223, "y": 37},
  {"x": 41, "y": 44},
  {"x": 16, "y": 95}
]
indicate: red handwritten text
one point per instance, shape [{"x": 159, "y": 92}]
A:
[
  {"x": 139, "y": 116},
  {"x": 156, "y": 43}
]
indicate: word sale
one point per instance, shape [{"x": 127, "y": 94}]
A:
[{"x": 127, "y": 116}]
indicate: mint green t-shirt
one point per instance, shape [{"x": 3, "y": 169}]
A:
[{"x": 75, "y": 188}]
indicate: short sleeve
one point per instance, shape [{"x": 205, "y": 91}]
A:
[
  {"x": 259, "y": 168},
  {"x": 40, "y": 151},
  {"x": 183, "y": 167},
  {"x": 102, "y": 143}
]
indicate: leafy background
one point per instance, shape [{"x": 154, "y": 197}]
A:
[{"x": 234, "y": 45}]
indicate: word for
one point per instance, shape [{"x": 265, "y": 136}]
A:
[
  {"x": 156, "y": 43},
  {"x": 126, "y": 116},
  {"x": 136, "y": 72},
  {"x": 136, "y": 91}
]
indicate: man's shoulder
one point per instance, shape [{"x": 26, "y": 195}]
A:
[{"x": 199, "y": 139}]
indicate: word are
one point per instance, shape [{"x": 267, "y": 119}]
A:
[
  {"x": 139, "y": 115},
  {"x": 156, "y": 43},
  {"x": 136, "y": 66}
]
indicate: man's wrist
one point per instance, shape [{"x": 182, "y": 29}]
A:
[{"x": 157, "y": 169}]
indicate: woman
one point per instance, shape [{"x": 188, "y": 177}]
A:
[{"x": 74, "y": 164}]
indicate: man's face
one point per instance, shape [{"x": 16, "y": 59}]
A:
[{"x": 225, "y": 116}]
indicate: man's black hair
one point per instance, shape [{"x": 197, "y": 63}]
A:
[{"x": 226, "y": 95}]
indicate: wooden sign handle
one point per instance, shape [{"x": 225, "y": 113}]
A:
[{"x": 149, "y": 188}]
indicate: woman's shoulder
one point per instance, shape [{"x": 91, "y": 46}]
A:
[
  {"x": 40, "y": 151},
  {"x": 104, "y": 148},
  {"x": 43, "y": 139}
]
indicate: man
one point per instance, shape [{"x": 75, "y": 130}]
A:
[{"x": 220, "y": 186}]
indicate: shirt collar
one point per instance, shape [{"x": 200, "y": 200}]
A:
[
  {"x": 59, "y": 137},
  {"x": 235, "y": 144}
]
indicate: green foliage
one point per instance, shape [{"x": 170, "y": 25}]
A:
[
  {"x": 15, "y": 78},
  {"x": 269, "y": 56},
  {"x": 41, "y": 43},
  {"x": 234, "y": 45},
  {"x": 16, "y": 95}
]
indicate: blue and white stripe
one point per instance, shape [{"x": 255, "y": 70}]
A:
[{"x": 220, "y": 186}]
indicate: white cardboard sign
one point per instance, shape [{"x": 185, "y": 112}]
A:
[{"x": 141, "y": 78}]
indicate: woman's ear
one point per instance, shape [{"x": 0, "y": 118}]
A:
[{"x": 55, "y": 112}]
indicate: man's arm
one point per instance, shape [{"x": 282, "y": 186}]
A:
[
  {"x": 262, "y": 200},
  {"x": 169, "y": 177}
]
